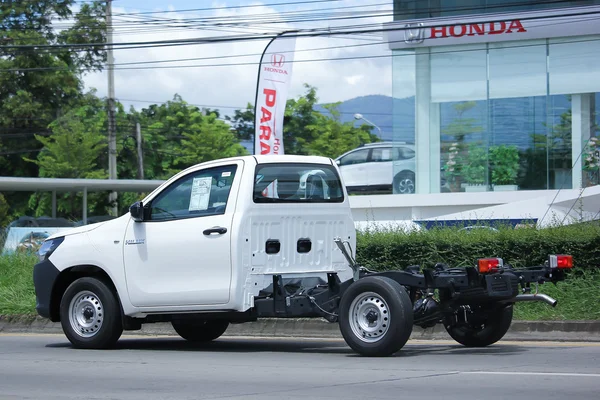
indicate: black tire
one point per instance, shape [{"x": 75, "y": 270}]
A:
[
  {"x": 495, "y": 323},
  {"x": 90, "y": 314},
  {"x": 393, "y": 318},
  {"x": 404, "y": 183},
  {"x": 200, "y": 331}
]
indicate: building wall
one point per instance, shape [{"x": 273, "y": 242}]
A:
[
  {"x": 498, "y": 107},
  {"x": 421, "y": 9}
]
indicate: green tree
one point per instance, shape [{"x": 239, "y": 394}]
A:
[
  {"x": 73, "y": 150},
  {"x": 206, "y": 138},
  {"x": 299, "y": 115},
  {"x": 39, "y": 83},
  {"x": 242, "y": 122},
  {"x": 177, "y": 135},
  {"x": 331, "y": 137}
]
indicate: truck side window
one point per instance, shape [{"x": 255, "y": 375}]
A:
[
  {"x": 199, "y": 193},
  {"x": 297, "y": 183}
]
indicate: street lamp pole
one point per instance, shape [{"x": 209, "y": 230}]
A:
[{"x": 360, "y": 116}]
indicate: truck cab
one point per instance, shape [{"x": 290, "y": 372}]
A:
[{"x": 209, "y": 239}]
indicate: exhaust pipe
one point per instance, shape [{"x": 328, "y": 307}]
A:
[{"x": 536, "y": 297}]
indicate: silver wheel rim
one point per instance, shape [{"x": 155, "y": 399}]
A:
[
  {"x": 86, "y": 314},
  {"x": 406, "y": 185},
  {"x": 369, "y": 317}
]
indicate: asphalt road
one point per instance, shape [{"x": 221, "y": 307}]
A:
[{"x": 46, "y": 367}]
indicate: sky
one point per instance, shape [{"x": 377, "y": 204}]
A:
[{"x": 210, "y": 83}]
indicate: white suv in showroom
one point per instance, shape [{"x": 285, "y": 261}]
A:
[{"x": 381, "y": 166}]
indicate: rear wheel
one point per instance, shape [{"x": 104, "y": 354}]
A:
[
  {"x": 90, "y": 314},
  {"x": 482, "y": 327},
  {"x": 375, "y": 316},
  {"x": 200, "y": 330}
]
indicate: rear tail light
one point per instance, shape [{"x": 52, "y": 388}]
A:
[
  {"x": 487, "y": 265},
  {"x": 561, "y": 261}
]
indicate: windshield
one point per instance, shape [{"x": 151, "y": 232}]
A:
[{"x": 297, "y": 183}]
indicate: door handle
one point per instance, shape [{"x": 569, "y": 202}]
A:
[{"x": 215, "y": 229}]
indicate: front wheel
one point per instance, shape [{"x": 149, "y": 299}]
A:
[
  {"x": 90, "y": 314},
  {"x": 376, "y": 316},
  {"x": 200, "y": 330},
  {"x": 482, "y": 327}
]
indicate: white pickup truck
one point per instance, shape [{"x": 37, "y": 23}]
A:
[{"x": 234, "y": 240}]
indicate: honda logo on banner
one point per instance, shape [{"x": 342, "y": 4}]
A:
[
  {"x": 277, "y": 60},
  {"x": 274, "y": 77}
]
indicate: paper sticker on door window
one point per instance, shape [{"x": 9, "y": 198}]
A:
[
  {"x": 226, "y": 174},
  {"x": 200, "y": 193}
]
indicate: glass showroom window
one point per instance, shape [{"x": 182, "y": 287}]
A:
[
  {"x": 459, "y": 101},
  {"x": 522, "y": 115},
  {"x": 403, "y": 107},
  {"x": 518, "y": 141},
  {"x": 574, "y": 87}
]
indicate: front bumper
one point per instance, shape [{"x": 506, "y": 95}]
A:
[{"x": 45, "y": 275}]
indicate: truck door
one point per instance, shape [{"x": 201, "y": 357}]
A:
[{"x": 180, "y": 253}]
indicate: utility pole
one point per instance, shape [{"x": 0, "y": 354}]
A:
[
  {"x": 140, "y": 154},
  {"x": 112, "y": 134}
]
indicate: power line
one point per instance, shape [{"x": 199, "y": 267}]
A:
[
  {"x": 299, "y": 13},
  {"x": 301, "y": 33},
  {"x": 295, "y": 61},
  {"x": 302, "y": 50}
]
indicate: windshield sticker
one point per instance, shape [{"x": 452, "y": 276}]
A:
[{"x": 200, "y": 193}]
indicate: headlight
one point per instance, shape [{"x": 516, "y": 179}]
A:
[{"x": 48, "y": 247}]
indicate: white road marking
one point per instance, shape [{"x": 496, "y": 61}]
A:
[{"x": 571, "y": 374}]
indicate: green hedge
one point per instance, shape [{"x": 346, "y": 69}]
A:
[
  {"x": 578, "y": 296},
  {"x": 389, "y": 249}
]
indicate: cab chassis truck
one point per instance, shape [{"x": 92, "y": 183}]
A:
[{"x": 219, "y": 243}]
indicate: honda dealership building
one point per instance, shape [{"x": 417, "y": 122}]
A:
[{"x": 502, "y": 100}]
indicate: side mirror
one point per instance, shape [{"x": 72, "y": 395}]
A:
[
  {"x": 338, "y": 162},
  {"x": 137, "y": 211}
]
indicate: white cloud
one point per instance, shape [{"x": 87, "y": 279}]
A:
[
  {"x": 354, "y": 79},
  {"x": 208, "y": 82}
]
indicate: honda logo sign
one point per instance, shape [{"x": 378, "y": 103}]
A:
[
  {"x": 277, "y": 60},
  {"x": 414, "y": 33}
]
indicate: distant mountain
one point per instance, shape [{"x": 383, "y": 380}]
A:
[{"x": 379, "y": 110}]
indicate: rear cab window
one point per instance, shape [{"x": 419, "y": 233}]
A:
[{"x": 297, "y": 183}]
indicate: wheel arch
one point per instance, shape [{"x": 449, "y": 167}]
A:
[
  {"x": 70, "y": 275},
  {"x": 404, "y": 172}
]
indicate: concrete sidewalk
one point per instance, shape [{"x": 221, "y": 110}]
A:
[{"x": 319, "y": 328}]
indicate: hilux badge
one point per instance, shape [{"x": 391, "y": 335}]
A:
[{"x": 135, "y": 241}]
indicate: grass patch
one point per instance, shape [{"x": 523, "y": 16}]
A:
[
  {"x": 17, "y": 295},
  {"x": 578, "y": 299}
]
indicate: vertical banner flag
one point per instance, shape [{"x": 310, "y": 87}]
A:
[{"x": 274, "y": 77}]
